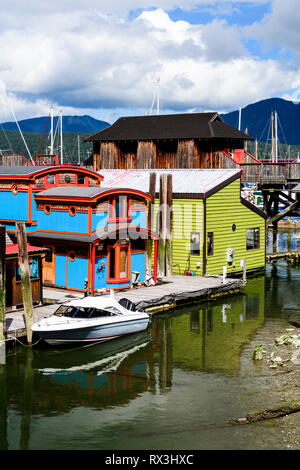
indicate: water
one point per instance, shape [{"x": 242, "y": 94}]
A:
[{"x": 169, "y": 388}]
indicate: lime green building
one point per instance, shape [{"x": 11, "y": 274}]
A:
[{"x": 212, "y": 226}]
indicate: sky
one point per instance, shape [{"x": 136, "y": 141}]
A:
[{"x": 111, "y": 58}]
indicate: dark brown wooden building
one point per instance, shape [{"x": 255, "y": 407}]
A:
[{"x": 166, "y": 141}]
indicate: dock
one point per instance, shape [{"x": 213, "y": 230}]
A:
[
  {"x": 171, "y": 292},
  {"x": 289, "y": 256}
]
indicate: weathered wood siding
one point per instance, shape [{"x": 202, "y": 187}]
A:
[
  {"x": 109, "y": 155},
  {"x": 14, "y": 160},
  {"x": 96, "y": 156},
  {"x": 223, "y": 209},
  {"x": 185, "y": 154},
  {"x": 168, "y": 154},
  {"x": 146, "y": 155}
]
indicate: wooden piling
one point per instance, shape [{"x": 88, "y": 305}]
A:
[
  {"x": 152, "y": 186},
  {"x": 169, "y": 223},
  {"x": 162, "y": 226},
  {"x": 25, "y": 279},
  {"x": 2, "y": 284}
]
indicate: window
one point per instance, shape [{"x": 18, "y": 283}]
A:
[
  {"x": 80, "y": 179},
  {"x": 47, "y": 209},
  {"x": 195, "y": 243},
  {"x": 72, "y": 211},
  {"x": 49, "y": 255},
  {"x": 210, "y": 244},
  {"x": 253, "y": 238},
  {"x": 119, "y": 209},
  {"x": 14, "y": 189},
  {"x": 72, "y": 255},
  {"x": 50, "y": 179},
  {"x": 81, "y": 312},
  {"x": 33, "y": 269}
]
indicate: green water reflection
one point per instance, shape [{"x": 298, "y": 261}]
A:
[{"x": 155, "y": 390}]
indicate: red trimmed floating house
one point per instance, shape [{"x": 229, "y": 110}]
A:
[
  {"x": 13, "y": 276},
  {"x": 96, "y": 236}
]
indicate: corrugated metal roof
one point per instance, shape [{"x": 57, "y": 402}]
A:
[{"x": 184, "y": 181}]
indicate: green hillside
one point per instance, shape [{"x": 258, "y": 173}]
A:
[{"x": 11, "y": 142}]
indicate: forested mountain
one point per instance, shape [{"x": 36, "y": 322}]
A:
[
  {"x": 80, "y": 124},
  {"x": 11, "y": 142},
  {"x": 256, "y": 119}
]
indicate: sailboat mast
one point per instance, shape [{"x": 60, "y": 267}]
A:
[
  {"x": 157, "y": 108},
  {"x": 61, "y": 140},
  {"x": 276, "y": 137},
  {"x": 51, "y": 133},
  {"x": 272, "y": 124},
  {"x": 78, "y": 145}
]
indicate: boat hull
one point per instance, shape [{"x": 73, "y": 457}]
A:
[{"x": 100, "y": 333}]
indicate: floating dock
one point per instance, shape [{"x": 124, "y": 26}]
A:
[
  {"x": 290, "y": 256},
  {"x": 169, "y": 293}
]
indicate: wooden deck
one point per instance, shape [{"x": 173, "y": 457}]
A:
[
  {"x": 290, "y": 256},
  {"x": 178, "y": 290},
  {"x": 174, "y": 291}
]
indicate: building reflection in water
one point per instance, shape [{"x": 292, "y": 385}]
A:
[{"x": 206, "y": 337}]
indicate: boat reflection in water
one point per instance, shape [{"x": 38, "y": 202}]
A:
[{"x": 97, "y": 358}]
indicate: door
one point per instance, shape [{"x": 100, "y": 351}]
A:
[
  {"x": 49, "y": 267},
  {"x": 118, "y": 263}
]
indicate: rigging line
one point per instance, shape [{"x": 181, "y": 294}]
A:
[
  {"x": 268, "y": 123},
  {"x": 283, "y": 134},
  {"x": 43, "y": 136},
  {"x": 266, "y": 144},
  {"x": 7, "y": 139},
  {"x": 12, "y": 111},
  {"x": 47, "y": 140}
]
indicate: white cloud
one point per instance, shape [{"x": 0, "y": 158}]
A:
[
  {"x": 79, "y": 58},
  {"x": 280, "y": 27}
]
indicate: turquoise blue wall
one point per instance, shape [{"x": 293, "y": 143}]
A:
[
  {"x": 99, "y": 220},
  {"x": 62, "y": 221},
  {"x": 13, "y": 206}
]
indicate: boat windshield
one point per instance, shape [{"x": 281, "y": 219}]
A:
[{"x": 84, "y": 312}]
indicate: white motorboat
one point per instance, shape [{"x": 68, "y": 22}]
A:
[{"x": 91, "y": 319}]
